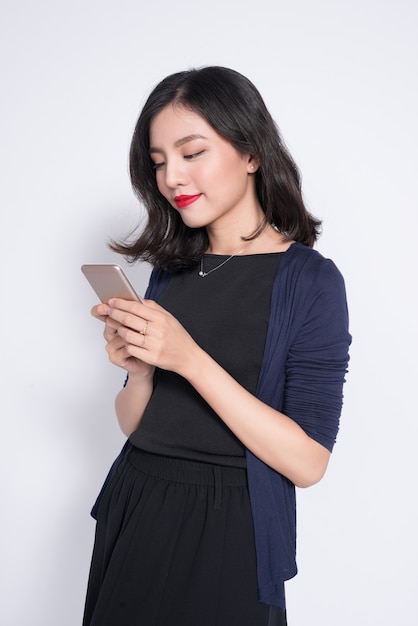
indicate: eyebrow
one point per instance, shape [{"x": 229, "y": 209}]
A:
[{"x": 180, "y": 142}]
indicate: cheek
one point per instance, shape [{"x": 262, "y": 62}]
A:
[{"x": 162, "y": 188}]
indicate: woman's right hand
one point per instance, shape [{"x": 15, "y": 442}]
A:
[{"x": 116, "y": 347}]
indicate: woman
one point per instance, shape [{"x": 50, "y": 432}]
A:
[{"x": 235, "y": 365}]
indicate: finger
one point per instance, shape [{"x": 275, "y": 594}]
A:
[
  {"x": 148, "y": 309},
  {"x": 131, "y": 306},
  {"x": 133, "y": 337},
  {"x": 109, "y": 333},
  {"x": 114, "y": 345},
  {"x": 121, "y": 355},
  {"x": 137, "y": 351},
  {"x": 130, "y": 320},
  {"x": 100, "y": 312},
  {"x": 110, "y": 329},
  {"x": 118, "y": 352}
]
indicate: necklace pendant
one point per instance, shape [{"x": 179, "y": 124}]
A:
[{"x": 202, "y": 273}]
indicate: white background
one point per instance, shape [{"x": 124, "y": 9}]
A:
[{"x": 340, "y": 78}]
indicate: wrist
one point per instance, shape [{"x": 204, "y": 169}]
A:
[
  {"x": 139, "y": 378},
  {"x": 196, "y": 366}
]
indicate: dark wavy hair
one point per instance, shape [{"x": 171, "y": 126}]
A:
[{"x": 233, "y": 106}]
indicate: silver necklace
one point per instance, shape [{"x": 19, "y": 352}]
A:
[{"x": 202, "y": 272}]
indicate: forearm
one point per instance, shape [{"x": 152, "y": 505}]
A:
[
  {"x": 131, "y": 401},
  {"x": 272, "y": 436}
]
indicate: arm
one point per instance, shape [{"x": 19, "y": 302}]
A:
[
  {"x": 131, "y": 401},
  {"x": 271, "y": 435}
]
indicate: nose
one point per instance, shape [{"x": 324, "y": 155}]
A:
[{"x": 175, "y": 174}]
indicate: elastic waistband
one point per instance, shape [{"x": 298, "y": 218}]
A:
[{"x": 185, "y": 471}]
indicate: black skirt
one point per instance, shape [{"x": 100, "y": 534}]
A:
[{"x": 174, "y": 546}]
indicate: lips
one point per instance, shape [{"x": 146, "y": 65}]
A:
[{"x": 183, "y": 201}]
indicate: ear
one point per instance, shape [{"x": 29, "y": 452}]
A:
[{"x": 253, "y": 164}]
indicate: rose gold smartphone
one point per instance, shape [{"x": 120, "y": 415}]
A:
[{"x": 109, "y": 281}]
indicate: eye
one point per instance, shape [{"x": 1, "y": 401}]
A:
[
  {"x": 193, "y": 156},
  {"x": 158, "y": 166}
]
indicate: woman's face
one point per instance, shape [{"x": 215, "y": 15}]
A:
[{"x": 200, "y": 173}]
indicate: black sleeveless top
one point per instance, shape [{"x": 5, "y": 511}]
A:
[{"x": 227, "y": 314}]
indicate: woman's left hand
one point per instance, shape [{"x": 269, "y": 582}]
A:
[{"x": 153, "y": 335}]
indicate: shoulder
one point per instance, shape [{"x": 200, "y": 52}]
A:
[
  {"x": 306, "y": 279},
  {"x": 310, "y": 295},
  {"x": 308, "y": 265}
]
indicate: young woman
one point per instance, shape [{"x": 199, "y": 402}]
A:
[{"x": 235, "y": 366}]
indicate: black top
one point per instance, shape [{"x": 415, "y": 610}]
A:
[{"x": 227, "y": 314}]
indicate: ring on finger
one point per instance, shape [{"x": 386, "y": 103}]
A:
[{"x": 144, "y": 330}]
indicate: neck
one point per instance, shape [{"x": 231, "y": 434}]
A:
[
  {"x": 226, "y": 235},
  {"x": 229, "y": 249},
  {"x": 269, "y": 240},
  {"x": 231, "y": 242}
]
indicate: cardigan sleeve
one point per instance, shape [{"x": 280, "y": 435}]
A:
[
  {"x": 317, "y": 359},
  {"x": 302, "y": 374}
]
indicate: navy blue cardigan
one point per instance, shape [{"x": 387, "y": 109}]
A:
[{"x": 302, "y": 375}]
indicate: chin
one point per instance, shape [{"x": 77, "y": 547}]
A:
[{"x": 193, "y": 223}]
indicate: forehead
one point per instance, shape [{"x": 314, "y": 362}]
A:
[{"x": 174, "y": 122}]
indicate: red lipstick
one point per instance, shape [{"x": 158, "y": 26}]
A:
[{"x": 183, "y": 201}]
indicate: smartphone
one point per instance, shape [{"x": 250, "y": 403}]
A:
[{"x": 109, "y": 281}]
